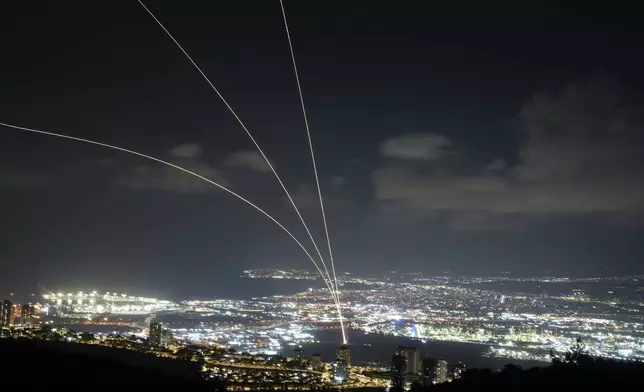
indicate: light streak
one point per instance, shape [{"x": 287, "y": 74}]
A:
[
  {"x": 185, "y": 171},
  {"x": 288, "y": 195},
  {"x": 315, "y": 170}
]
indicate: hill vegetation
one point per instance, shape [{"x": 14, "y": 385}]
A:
[{"x": 41, "y": 365}]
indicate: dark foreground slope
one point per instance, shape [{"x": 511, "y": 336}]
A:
[
  {"x": 41, "y": 365},
  {"x": 598, "y": 375},
  {"x": 44, "y": 365}
]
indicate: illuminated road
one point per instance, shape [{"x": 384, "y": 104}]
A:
[{"x": 260, "y": 367}]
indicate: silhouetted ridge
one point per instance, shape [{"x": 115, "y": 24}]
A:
[
  {"x": 591, "y": 375},
  {"x": 47, "y": 365},
  {"x": 40, "y": 365}
]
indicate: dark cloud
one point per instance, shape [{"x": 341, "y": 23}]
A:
[
  {"x": 418, "y": 146},
  {"x": 474, "y": 221},
  {"x": 497, "y": 165},
  {"x": 581, "y": 152},
  {"x": 249, "y": 159},
  {"x": 188, "y": 150},
  {"x": 106, "y": 162},
  {"x": 338, "y": 181},
  {"x": 23, "y": 180},
  {"x": 165, "y": 178},
  {"x": 306, "y": 197}
]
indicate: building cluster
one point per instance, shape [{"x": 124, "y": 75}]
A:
[
  {"x": 518, "y": 325},
  {"x": 340, "y": 366},
  {"x": 159, "y": 336},
  {"x": 407, "y": 368},
  {"x": 17, "y": 315},
  {"x": 269, "y": 273},
  {"x": 82, "y": 304},
  {"x": 515, "y": 325}
]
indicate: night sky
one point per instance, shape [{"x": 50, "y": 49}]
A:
[{"x": 474, "y": 144}]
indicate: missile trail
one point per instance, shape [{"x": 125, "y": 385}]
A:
[
  {"x": 288, "y": 195},
  {"x": 315, "y": 169},
  {"x": 185, "y": 171},
  {"x": 308, "y": 134}
]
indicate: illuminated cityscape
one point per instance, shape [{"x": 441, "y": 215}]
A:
[
  {"x": 306, "y": 196},
  {"x": 265, "y": 339}
]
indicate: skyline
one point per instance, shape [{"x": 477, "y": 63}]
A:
[
  {"x": 468, "y": 318},
  {"x": 436, "y": 154}
]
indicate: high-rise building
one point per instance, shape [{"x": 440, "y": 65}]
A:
[
  {"x": 398, "y": 370},
  {"x": 156, "y": 332},
  {"x": 159, "y": 336},
  {"x": 316, "y": 362},
  {"x": 27, "y": 314},
  {"x": 413, "y": 360},
  {"x": 458, "y": 371},
  {"x": 441, "y": 371},
  {"x": 434, "y": 371},
  {"x": 340, "y": 370},
  {"x": 345, "y": 354},
  {"x": 166, "y": 337},
  {"x": 6, "y": 313},
  {"x": 429, "y": 365},
  {"x": 298, "y": 353}
]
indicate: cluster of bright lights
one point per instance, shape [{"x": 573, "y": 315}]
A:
[
  {"x": 518, "y": 326},
  {"x": 92, "y": 304}
]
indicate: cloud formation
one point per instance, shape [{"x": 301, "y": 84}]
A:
[
  {"x": 22, "y": 180},
  {"x": 417, "y": 146},
  {"x": 248, "y": 159},
  {"x": 338, "y": 181},
  {"x": 188, "y": 150},
  {"x": 581, "y": 152},
  {"x": 306, "y": 197},
  {"x": 159, "y": 177},
  {"x": 164, "y": 178}
]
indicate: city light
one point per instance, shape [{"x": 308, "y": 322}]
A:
[{"x": 260, "y": 338}]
